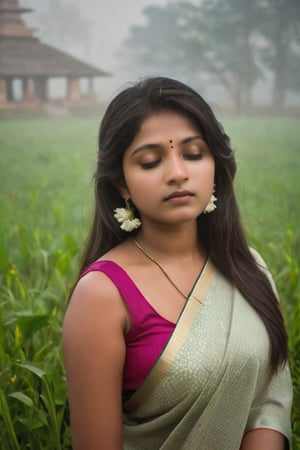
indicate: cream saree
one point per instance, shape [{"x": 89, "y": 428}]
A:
[{"x": 211, "y": 383}]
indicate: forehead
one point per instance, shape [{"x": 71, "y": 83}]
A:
[{"x": 166, "y": 125}]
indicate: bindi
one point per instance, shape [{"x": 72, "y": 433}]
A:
[{"x": 171, "y": 143}]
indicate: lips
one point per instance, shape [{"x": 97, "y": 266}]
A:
[{"x": 179, "y": 194}]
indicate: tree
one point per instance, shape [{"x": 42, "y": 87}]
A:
[
  {"x": 231, "y": 27},
  {"x": 280, "y": 26},
  {"x": 211, "y": 41},
  {"x": 159, "y": 44},
  {"x": 232, "y": 43}
]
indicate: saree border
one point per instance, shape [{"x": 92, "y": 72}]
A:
[{"x": 191, "y": 308}]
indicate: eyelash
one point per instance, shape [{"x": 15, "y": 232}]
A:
[
  {"x": 188, "y": 157},
  {"x": 150, "y": 165},
  {"x": 193, "y": 156}
]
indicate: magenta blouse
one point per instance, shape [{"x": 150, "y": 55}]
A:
[{"x": 149, "y": 332}]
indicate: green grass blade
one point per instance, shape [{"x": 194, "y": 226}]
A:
[{"x": 4, "y": 411}]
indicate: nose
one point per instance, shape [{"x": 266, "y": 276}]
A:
[{"x": 176, "y": 171}]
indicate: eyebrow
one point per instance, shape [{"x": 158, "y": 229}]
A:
[{"x": 157, "y": 146}]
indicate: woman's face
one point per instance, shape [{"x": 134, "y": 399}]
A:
[{"x": 168, "y": 170}]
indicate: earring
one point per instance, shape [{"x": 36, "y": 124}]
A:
[
  {"x": 125, "y": 216},
  {"x": 211, "y": 206}
]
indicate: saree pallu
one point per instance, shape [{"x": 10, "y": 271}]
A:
[{"x": 212, "y": 382}]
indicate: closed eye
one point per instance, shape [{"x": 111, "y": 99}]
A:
[
  {"x": 150, "y": 164},
  {"x": 193, "y": 156}
]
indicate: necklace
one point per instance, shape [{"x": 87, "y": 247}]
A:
[{"x": 143, "y": 250}]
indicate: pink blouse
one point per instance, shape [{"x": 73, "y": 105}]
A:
[{"x": 149, "y": 332}]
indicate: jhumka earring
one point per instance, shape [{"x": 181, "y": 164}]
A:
[
  {"x": 125, "y": 216},
  {"x": 211, "y": 206}
]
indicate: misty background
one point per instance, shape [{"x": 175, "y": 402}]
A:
[
  {"x": 237, "y": 53},
  {"x": 93, "y": 30}
]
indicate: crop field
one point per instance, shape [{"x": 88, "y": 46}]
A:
[{"x": 46, "y": 198}]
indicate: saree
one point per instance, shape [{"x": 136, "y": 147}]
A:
[{"x": 212, "y": 382}]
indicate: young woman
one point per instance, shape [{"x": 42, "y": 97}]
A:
[{"x": 173, "y": 337}]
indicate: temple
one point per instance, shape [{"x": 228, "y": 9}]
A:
[{"x": 30, "y": 64}]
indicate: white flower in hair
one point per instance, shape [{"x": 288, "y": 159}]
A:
[{"x": 126, "y": 217}]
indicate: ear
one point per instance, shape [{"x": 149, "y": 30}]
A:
[
  {"x": 124, "y": 193},
  {"x": 122, "y": 189}
]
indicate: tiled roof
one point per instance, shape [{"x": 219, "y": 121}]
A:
[{"x": 30, "y": 57}]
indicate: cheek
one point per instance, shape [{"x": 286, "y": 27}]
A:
[
  {"x": 143, "y": 199},
  {"x": 211, "y": 169},
  {"x": 206, "y": 172},
  {"x": 139, "y": 186}
]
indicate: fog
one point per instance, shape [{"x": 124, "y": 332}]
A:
[
  {"x": 109, "y": 23},
  {"x": 95, "y": 31}
]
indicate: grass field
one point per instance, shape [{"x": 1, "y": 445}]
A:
[{"x": 46, "y": 193}]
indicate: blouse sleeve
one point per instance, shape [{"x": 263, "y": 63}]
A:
[{"x": 271, "y": 407}]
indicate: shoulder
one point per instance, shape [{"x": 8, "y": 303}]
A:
[
  {"x": 264, "y": 268},
  {"x": 258, "y": 258},
  {"x": 95, "y": 302},
  {"x": 97, "y": 297},
  {"x": 95, "y": 286}
]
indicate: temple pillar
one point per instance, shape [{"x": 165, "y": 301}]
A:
[
  {"x": 41, "y": 88},
  {"x": 9, "y": 90},
  {"x": 91, "y": 93},
  {"x": 3, "y": 97},
  {"x": 45, "y": 91},
  {"x": 29, "y": 92},
  {"x": 73, "y": 90}
]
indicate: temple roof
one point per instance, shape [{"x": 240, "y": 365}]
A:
[
  {"x": 30, "y": 57},
  {"x": 12, "y": 6},
  {"x": 22, "y": 54}
]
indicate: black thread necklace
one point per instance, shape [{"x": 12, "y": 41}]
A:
[{"x": 143, "y": 250}]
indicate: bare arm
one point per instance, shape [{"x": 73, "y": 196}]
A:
[
  {"x": 94, "y": 353},
  {"x": 263, "y": 438}
]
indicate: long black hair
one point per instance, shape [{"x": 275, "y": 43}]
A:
[{"x": 221, "y": 233}]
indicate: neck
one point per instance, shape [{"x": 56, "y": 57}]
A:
[{"x": 173, "y": 243}]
